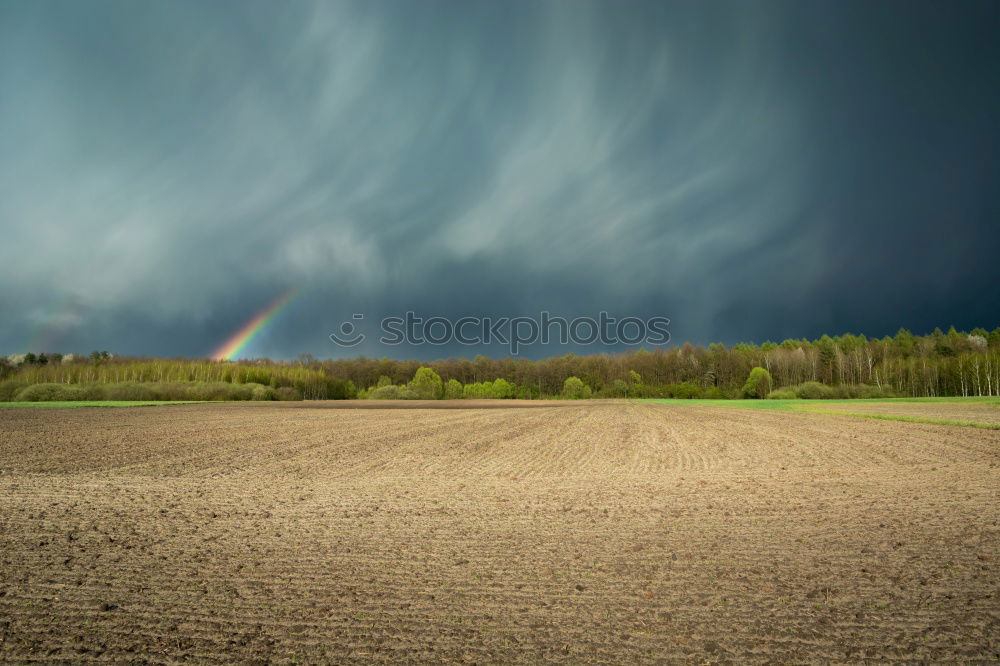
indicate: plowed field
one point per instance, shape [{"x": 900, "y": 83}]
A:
[{"x": 568, "y": 532}]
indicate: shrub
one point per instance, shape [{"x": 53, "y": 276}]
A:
[
  {"x": 9, "y": 388},
  {"x": 350, "y": 390},
  {"x": 50, "y": 393},
  {"x": 684, "y": 390},
  {"x": 286, "y": 393},
  {"x": 713, "y": 393},
  {"x": 840, "y": 391},
  {"x": 644, "y": 391},
  {"x": 141, "y": 392},
  {"x": 758, "y": 383},
  {"x": 263, "y": 393},
  {"x": 135, "y": 392},
  {"x": 502, "y": 389},
  {"x": 426, "y": 385},
  {"x": 575, "y": 389},
  {"x": 172, "y": 390},
  {"x": 38, "y": 393},
  {"x": 478, "y": 390},
  {"x": 528, "y": 392},
  {"x": 280, "y": 382},
  {"x": 208, "y": 391},
  {"x": 236, "y": 392},
  {"x": 813, "y": 391},
  {"x": 390, "y": 392},
  {"x": 453, "y": 390},
  {"x": 246, "y": 391},
  {"x": 782, "y": 394},
  {"x": 868, "y": 391},
  {"x": 94, "y": 392}
]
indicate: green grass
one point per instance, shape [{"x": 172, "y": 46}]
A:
[
  {"x": 816, "y": 407},
  {"x": 988, "y": 399},
  {"x": 794, "y": 404},
  {"x": 914, "y": 419},
  {"x": 750, "y": 404},
  {"x": 101, "y": 403}
]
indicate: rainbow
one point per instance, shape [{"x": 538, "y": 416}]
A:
[{"x": 235, "y": 344}]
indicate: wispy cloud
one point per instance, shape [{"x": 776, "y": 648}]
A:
[{"x": 166, "y": 169}]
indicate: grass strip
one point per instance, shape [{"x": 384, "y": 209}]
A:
[
  {"x": 907, "y": 418},
  {"x": 795, "y": 404},
  {"x": 101, "y": 403},
  {"x": 816, "y": 407}
]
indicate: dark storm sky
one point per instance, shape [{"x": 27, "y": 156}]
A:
[{"x": 750, "y": 170}]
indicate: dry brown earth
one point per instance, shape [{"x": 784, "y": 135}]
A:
[{"x": 570, "y": 533}]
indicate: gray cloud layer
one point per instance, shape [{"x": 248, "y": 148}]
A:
[{"x": 749, "y": 171}]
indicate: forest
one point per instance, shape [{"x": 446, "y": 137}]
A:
[{"x": 952, "y": 363}]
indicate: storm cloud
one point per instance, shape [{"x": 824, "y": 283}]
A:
[{"x": 749, "y": 170}]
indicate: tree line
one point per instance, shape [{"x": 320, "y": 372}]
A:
[
  {"x": 952, "y": 363},
  {"x": 907, "y": 365}
]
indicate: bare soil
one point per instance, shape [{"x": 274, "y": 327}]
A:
[{"x": 603, "y": 532}]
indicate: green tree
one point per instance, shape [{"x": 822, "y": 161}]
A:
[
  {"x": 426, "y": 384},
  {"x": 827, "y": 349},
  {"x": 944, "y": 344},
  {"x": 575, "y": 389},
  {"x": 758, "y": 384},
  {"x": 453, "y": 390},
  {"x": 994, "y": 337},
  {"x": 904, "y": 342},
  {"x": 502, "y": 389}
]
